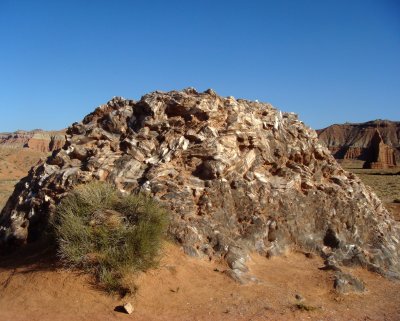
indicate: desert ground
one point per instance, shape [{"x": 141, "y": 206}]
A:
[
  {"x": 15, "y": 164},
  {"x": 34, "y": 286},
  {"x": 385, "y": 183}
]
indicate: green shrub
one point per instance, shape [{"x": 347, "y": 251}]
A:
[{"x": 102, "y": 231}]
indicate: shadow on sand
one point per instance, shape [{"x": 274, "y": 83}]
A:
[{"x": 37, "y": 256}]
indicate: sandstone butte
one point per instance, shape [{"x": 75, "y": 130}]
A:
[
  {"x": 238, "y": 176},
  {"x": 37, "y": 140},
  {"x": 375, "y": 142}
]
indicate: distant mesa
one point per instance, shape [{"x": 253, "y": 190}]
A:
[
  {"x": 379, "y": 155},
  {"x": 376, "y": 142},
  {"x": 36, "y": 140}
]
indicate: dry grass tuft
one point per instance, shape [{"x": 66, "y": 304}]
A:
[{"x": 111, "y": 235}]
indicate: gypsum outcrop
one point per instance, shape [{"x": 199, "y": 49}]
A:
[{"x": 238, "y": 176}]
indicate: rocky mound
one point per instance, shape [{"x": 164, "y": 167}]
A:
[
  {"x": 358, "y": 140},
  {"x": 238, "y": 176},
  {"x": 37, "y": 140}
]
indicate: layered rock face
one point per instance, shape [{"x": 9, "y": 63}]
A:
[
  {"x": 380, "y": 155},
  {"x": 238, "y": 176},
  {"x": 355, "y": 141},
  {"x": 37, "y": 140}
]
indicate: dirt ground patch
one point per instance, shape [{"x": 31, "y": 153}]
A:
[
  {"x": 184, "y": 288},
  {"x": 15, "y": 164},
  {"x": 33, "y": 286},
  {"x": 384, "y": 182}
]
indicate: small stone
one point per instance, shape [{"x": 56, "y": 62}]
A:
[
  {"x": 309, "y": 255},
  {"x": 299, "y": 297},
  {"x": 346, "y": 283},
  {"x": 128, "y": 308}
]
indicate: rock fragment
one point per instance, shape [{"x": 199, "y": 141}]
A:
[
  {"x": 345, "y": 283},
  {"x": 128, "y": 308}
]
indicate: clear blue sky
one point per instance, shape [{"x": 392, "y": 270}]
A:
[{"x": 330, "y": 61}]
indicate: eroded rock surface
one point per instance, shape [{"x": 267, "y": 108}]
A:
[
  {"x": 238, "y": 176},
  {"x": 380, "y": 155}
]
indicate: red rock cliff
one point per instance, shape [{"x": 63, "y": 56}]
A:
[
  {"x": 354, "y": 141},
  {"x": 38, "y": 140},
  {"x": 379, "y": 154}
]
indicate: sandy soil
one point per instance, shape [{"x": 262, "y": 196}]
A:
[
  {"x": 15, "y": 164},
  {"x": 33, "y": 287}
]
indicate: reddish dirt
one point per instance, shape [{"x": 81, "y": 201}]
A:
[
  {"x": 15, "y": 164},
  {"x": 34, "y": 287},
  {"x": 394, "y": 208}
]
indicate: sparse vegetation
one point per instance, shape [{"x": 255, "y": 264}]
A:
[
  {"x": 111, "y": 235},
  {"x": 387, "y": 187},
  {"x": 385, "y": 182},
  {"x": 305, "y": 307}
]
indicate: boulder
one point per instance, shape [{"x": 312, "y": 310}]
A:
[{"x": 237, "y": 175}]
